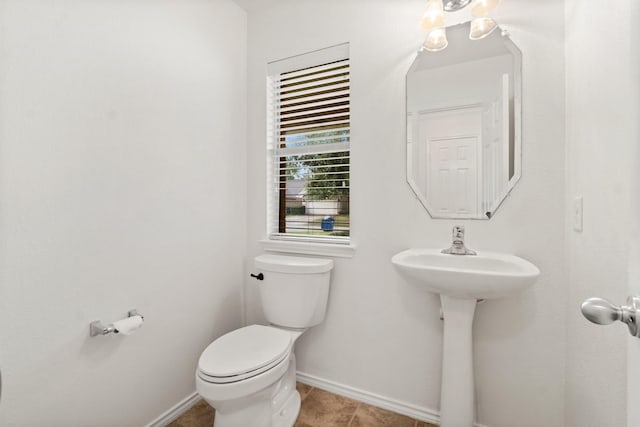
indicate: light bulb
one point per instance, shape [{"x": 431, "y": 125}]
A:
[
  {"x": 483, "y": 7},
  {"x": 481, "y": 28},
  {"x": 436, "y": 40},
  {"x": 433, "y": 15}
]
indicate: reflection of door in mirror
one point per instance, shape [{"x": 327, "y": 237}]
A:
[
  {"x": 495, "y": 151},
  {"x": 462, "y": 163},
  {"x": 449, "y": 144}
]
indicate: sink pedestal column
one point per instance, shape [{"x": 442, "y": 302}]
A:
[{"x": 457, "y": 390}]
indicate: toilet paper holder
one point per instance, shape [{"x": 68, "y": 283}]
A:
[{"x": 98, "y": 328}]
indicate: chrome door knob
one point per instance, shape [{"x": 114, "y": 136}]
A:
[{"x": 602, "y": 312}]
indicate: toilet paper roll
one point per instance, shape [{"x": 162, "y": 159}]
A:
[{"x": 128, "y": 326}]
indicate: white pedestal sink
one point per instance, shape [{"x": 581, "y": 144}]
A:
[{"x": 461, "y": 280}]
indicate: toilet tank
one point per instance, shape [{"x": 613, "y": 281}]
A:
[{"x": 294, "y": 290}]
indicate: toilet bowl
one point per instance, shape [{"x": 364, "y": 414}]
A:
[{"x": 249, "y": 375}]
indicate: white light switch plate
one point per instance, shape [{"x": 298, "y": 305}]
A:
[{"x": 577, "y": 214}]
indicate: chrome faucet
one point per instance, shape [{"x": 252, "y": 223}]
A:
[{"x": 457, "y": 247}]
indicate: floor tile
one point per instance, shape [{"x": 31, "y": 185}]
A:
[
  {"x": 200, "y": 415},
  {"x": 303, "y": 389},
  {"x": 324, "y": 409},
  {"x": 370, "y": 416},
  {"x": 319, "y": 409}
]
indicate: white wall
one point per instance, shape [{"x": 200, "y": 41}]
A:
[
  {"x": 382, "y": 334},
  {"x": 601, "y": 114},
  {"x": 633, "y": 345},
  {"x": 466, "y": 83},
  {"x": 633, "y": 355},
  {"x": 122, "y": 182}
]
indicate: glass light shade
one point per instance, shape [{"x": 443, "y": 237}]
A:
[
  {"x": 481, "y": 28},
  {"x": 436, "y": 40},
  {"x": 433, "y": 17},
  {"x": 483, "y": 7}
]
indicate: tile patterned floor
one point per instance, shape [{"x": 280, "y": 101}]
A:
[{"x": 319, "y": 409}]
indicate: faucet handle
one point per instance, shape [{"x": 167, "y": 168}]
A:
[{"x": 458, "y": 232}]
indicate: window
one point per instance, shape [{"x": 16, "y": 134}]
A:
[{"x": 308, "y": 146}]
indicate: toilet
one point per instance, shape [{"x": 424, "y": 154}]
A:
[{"x": 249, "y": 375}]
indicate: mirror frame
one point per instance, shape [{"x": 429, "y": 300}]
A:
[{"x": 517, "y": 118}]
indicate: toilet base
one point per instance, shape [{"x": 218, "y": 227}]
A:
[
  {"x": 277, "y": 405},
  {"x": 286, "y": 417}
]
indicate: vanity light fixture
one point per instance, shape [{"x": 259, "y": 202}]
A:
[
  {"x": 433, "y": 21},
  {"x": 453, "y": 5},
  {"x": 433, "y": 17},
  {"x": 436, "y": 40},
  {"x": 482, "y": 27},
  {"x": 481, "y": 8}
]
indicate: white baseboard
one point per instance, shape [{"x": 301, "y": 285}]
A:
[
  {"x": 172, "y": 414},
  {"x": 414, "y": 411}
]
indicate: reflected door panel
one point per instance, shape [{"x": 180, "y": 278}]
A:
[
  {"x": 453, "y": 182},
  {"x": 449, "y": 144}
]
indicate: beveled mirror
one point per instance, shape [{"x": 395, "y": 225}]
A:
[{"x": 464, "y": 120}]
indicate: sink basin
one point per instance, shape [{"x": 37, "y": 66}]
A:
[
  {"x": 461, "y": 280},
  {"x": 486, "y": 275}
]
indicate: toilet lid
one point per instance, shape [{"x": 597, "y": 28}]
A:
[{"x": 245, "y": 350}]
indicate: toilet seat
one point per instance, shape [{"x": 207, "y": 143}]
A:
[{"x": 244, "y": 353}]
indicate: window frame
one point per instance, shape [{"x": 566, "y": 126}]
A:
[{"x": 276, "y": 181}]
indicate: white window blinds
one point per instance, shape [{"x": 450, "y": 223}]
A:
[{"x": 308, "y": 146}]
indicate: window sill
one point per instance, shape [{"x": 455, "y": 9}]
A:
[{"x": 309, "y": 248}]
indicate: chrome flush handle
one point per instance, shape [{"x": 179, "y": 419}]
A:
[{"x": 602, "y": 312}]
